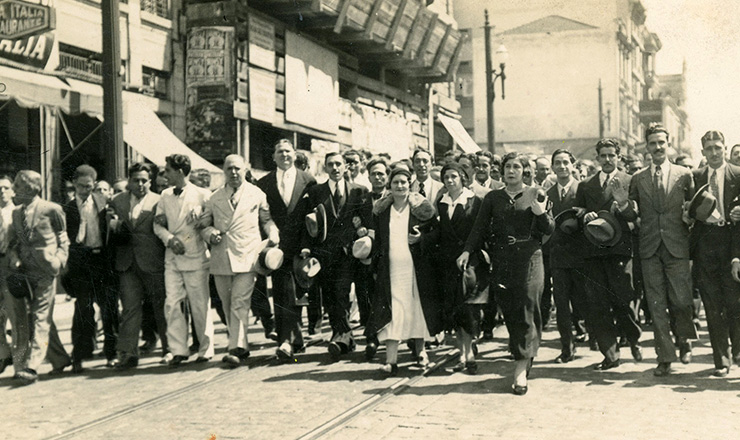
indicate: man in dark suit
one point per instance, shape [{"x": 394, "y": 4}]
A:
[
  {"x": 566, "y": 256},
  {"x": 88, "y": 278},
  {"x": 712, "y": 247},
  {"x": 139, "y": 261},
  {"x": 37, "y": 251},
  {"x": 660, "y": 193},
  {"x": 343, "y": 202},
  {"x": 284, "y": 189},
  {"x": 608, "y": 269}
]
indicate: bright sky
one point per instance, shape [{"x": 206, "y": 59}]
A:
[{"x": 705, "y": 33}]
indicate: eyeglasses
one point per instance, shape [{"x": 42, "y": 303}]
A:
[{"x": 526, "y": 174}]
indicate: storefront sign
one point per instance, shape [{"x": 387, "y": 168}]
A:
[
  {"x": 262, "y": 95},
  {"x": 261, "y": 43},
  {"x": 33, "y": 51},
  {"x": 19, "y": 19}
]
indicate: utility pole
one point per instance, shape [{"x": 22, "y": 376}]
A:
[
  {"x": 489, "y": 86},
  {"x": 601, "y": 113},
  {"x": 112, "y": 100}
]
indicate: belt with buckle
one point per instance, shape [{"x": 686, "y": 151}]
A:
[{"x": 511, "y": 240}]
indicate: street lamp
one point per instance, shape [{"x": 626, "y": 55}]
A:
[{"x": 502, "y": 55}]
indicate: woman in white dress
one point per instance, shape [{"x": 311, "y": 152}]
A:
[{"x": 406, "y": 304}]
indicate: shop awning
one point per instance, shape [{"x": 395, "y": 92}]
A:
[
  {"x": 30, "y": 89},
  {"x": 146, "y": 133},
  {"x": 459, "y": 134}
]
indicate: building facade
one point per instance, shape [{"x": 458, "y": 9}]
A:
[{"x": 578, "y": 70}]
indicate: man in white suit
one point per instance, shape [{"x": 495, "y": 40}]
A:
[
  {"x": 232, "y": 220},
  {"x": 186, "y": 262}
]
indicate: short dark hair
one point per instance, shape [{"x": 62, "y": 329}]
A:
[
  {"x": 608, "y": 143},
  {"x": 301, "y": 161},
  {"x": 179, "y": 162},
  {"x": 85, "y": 170},
  {"x": 418, "y": 150},
  {"x": 30, "y": 178},
  {"x": 480, "y": 154},
  {"x": 712, "y": 135},
  {"x": 471, "y": 157},
  {"x": 563, "y": 151},
  {"x": 348, "y": 153},
  {"x": 283, "y": 142},
  {"x": 140, "y": 166},
  {"x": 523, "y": 159},
  {"x": 733, "y": 147},
  {"x": 656, "y": 128},
  {"x": 332, "y": 154},
  {"x": 378, "y": 161},
  {"x": 6, "y": 177}
]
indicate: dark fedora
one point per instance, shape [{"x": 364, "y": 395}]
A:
[
  {"x": 270, "y": 258},
  {"x": 316, "y": 223},
  {"x": 567, "y": 221},
  {"x": 476, "y": 277},
  {"x": 603, "y": 231},
  {"x": 305, "y": 270},
  {"x": 703, "y": 206},
  {"x": 18, "y": 285}
]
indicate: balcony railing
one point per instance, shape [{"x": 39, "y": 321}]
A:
[
  {"x": 160, "y": 8},
  {"x": 79, "y": 65}
]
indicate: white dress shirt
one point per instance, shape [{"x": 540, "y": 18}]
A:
[
  {"x": 89, "y": 232},
  {"x": 564, "y": 189},
  {"x": 334, "y": 185},
  {"x": 603, "y": 176},
  {"x": 136, "y": 206},
  {"x": 665, "y": 168},
  {"x": 720, "y": 184},
  {"x": 6, "y": 218},
  {"x": 286, "y": 183}
]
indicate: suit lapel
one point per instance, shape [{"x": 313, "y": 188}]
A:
[
  {"x": 147, "y": 209},
  {"x": 297, "y": 190},
  {"x": 645, "y": 181},
  {"x": 729, "y": 188}
]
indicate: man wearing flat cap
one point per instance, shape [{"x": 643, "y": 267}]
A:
[
  {"x": 712, "y": 248},
  {"x": 566, "y": 256},
  {"x": 660, "y": 193},
  {"x": 608, "y": 265}
]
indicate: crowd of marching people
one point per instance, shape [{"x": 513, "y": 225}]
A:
[{"x": 454, "y": 246}]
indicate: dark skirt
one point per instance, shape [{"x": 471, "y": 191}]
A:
[
  {"x": 519, "y": 275},
  {"x": 459, "y": 312}
]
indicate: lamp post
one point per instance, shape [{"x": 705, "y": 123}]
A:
[{"x": 492, "y": 75}]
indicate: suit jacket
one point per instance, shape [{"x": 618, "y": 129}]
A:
[
  {"x": 77, "y": 255},
  {"x": 286, "y": 217},
  {"x": 136, "y": 241},
  {"x": 179, "y": 211},
  {"x": 566, "y": 251},
  {"x": 706, "y": 241},
  {"x": 43, "y": 248},
  {"x": 431, "y": 188},
  {"x": 592, "y": 197},
  {"x": 239, "y": 226},
  {"x": 340, "y": 229},
  {"x": 662, "y": 222}
]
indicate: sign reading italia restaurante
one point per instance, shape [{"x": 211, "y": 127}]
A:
[{"x": 19, "y": 19}]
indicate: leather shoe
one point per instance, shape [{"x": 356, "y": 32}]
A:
[
  {"x": 458, "y": 367},
  {"x": 27, "y": 376},
  {"x": 335, "y": 351},
  {"x": 285, "y": 352},
  {"x": 721, "y": 372},
  {"x": 391, "y": 369},
  {"x": 299, "y": 349},
  {"x": 231, "y": 360},
  {"x": 202, "y": 360},
  {"x": 423, "y": 360},
  {"x": 370, "y": 350},
  {"x": 636, "y": 352},
  {"x": 593, "y": 344},
  {"x": 127, "y": 361},
  {"x": 663, "y": 369},
  {"x": 580, "y": 338},
  {"x": 736, "y": 360},
  {"x": 60, "y": 369},
  {"x": 177, "y": 360},
  {"x": 519, "y": 390},
  {"x": 565, "y": 358},
  {"x": 4, "y": 363},
  {"x": 166, "y": 358},
  {"x": 77, "y": 367},
  {"x": 685, "y": 351},
  {"x": 471, "y": 367},
  {"x": 487, "y": 336},
  {"x": 606, "y": 364}
]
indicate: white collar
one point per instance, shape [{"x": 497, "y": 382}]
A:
[
  {"x": 333, "y": 186},
  {"x": 290, "y": 172},
  {"x": 567, "y": 186},
  {"x": 664, "y": 167},
  {"x": 464, "y": 196},
  {"x": 721, "y": 169}
]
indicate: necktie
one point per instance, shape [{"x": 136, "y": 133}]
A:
[
  {"x": 337, "y": 198},
  {"x": 284, "y": 190},
  {"x": 606, "y": 182},
  {"x": 421, "y": 189},
  {"x": 715, "y": 191},
  {"x": 82, "y": 232},
  {"x": 562, "y": 194},
  {"x": 658, "y": 184},
  {"x": 232, "y": 200},
  {"x": 177, "y": 191}
]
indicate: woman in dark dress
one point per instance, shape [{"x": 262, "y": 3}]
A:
[
  {"x": 405, "y": 305},
  {"x": 458, "y": 208},
  {"x": 512, "y": 221}
]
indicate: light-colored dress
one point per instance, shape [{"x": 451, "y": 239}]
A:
[{"x": 407, "y": 316}]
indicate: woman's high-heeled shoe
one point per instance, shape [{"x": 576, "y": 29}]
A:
[
  {"x": 519, "y": 390},
  {"x": 391, "y": 369}
]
